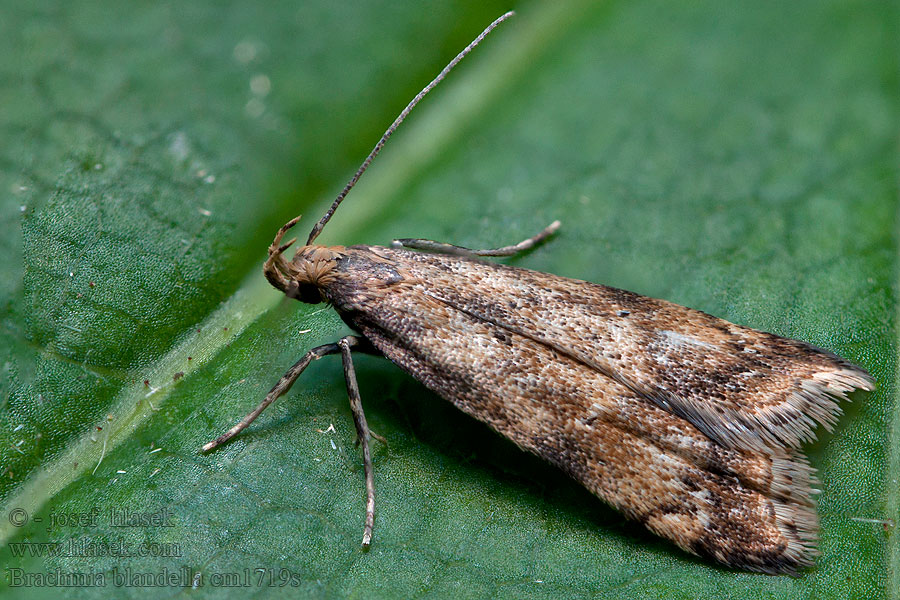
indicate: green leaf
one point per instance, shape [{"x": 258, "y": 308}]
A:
[{"x": 735, "y": 158}]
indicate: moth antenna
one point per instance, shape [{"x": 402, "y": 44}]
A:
[{"x": 390, "y": 130}]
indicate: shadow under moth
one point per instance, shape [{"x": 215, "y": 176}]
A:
[{"x": 684, "y": 422}]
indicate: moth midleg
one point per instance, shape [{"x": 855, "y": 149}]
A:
[
  {"x": 432, "y": 246},
  {"x": 363, "y": 434},
  {"x": 283, "y": 385}
]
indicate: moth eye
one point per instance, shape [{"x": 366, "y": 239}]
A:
[{"x": 307, "y": 292}]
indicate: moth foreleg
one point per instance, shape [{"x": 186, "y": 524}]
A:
[
  {"x": 283, "y": 385},
  {"x": 432, "y": 246},
  {"x": 363, "y": 433}
]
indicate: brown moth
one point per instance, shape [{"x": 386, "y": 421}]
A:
[{"x": 682, "y": 421}]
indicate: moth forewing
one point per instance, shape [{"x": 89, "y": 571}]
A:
[
  {"x": 682, "y": 421},
  {"x": 520, "y": 349}
]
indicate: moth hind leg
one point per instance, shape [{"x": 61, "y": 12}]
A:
[
  {"x": 443, "y": 248},
  {"x": 363, "y": 433}
]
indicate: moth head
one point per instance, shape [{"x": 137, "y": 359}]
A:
[{"x": 306, "y": 274}]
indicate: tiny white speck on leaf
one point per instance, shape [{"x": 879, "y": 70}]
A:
[
  {"x": 245, "y": 52},
  {"x": 260, "y": 85},
  {"x": 255, "y": 108}
]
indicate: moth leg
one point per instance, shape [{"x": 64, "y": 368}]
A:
[
  {"x": 363, "y": 433},
  {"x": 376, "y": 436},
  {"x": 283, "y": 385},
  {"x": 361, "y": 344},
  {"x": 432, "y": 246}
]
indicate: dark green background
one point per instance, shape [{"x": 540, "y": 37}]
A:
[{"x": 740, "y": 159}]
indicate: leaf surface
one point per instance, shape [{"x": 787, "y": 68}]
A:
[{"x": 733, "y": 158}]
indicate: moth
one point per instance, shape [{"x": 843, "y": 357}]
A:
[{"x": 684, "y": 422}]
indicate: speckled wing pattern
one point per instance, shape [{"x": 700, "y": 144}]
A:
[{"x": 682, "y": 421}]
